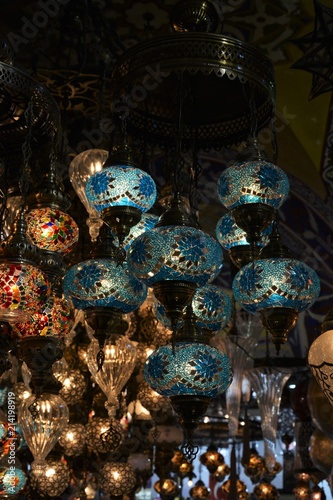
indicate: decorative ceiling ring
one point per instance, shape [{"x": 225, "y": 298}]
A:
[{"x": 146, "y": 79}]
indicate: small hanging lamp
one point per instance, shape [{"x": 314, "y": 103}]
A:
[
  {"x": 253, "y": 191},
  {"x": 49, "y": 226},
  {"x": 121, "y": 191},
  {"x": 24, "y": 286},
  {"x": 190, "y": 372},
  {"x": 81, "y": 168},
  {"x": 174, "y": 258},
  {"x": 278, "y": 287},
  {"x": 234, "y": 239}
]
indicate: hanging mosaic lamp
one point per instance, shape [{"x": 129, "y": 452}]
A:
[
  {"x": 104, "y": 290},
  {"x": 234, "y": 239},
  {"x": 211, "y": 305},
  {"x": 54, "y": 319},
  {"x": 278, "y": 287},
  {"x": 81, "y": 168},
  {"x": 190, "y": 373},
  {"x": 147, "y": 221},
  {"x": 100, "y": 282},
  {"x": 174, "y": 258},
  {"x": 253, "y": 191},
  {"x": 24, "y": 287},
  {"x": 121, "y": 192},
  {"x": 49, "y": 226},
  {"x": 12, "y": 482}
]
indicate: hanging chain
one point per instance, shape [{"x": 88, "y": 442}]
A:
[{"x": 25, "y": 179}]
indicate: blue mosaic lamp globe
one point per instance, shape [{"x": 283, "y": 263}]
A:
[
  {"x": 234, "y": 239},
  {"x": 190, "y": 374},
  {"x": 211, "y": 305},
  {"x": 121, "y": 192},
  {"x": 103, "y": 283},
  {"x": 188, "y": 369},
  {"x": 174, "y": 260},
  {"x": 277, "y": 288},
  {"x": 253, "y": 191}
]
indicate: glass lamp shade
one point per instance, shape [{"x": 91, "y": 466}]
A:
[
  {"x": 119, "y": 362},
  {"x": 42, "y": 420},
  {"x": 222, "y": 472},
  {"x": 268, "y": 383},
  {"x": 277, "y": 282},
  {"x": 117, "y": 479},
  {"x": 255, "y": 181},
  {"x": 55, "y": 318},
  {"x": 103, "y": 283},
  {"x": 320, "y": 361},
  {"x": 229, "y": 235},
  {"x": 121, "y": 186},
  {"x": 178, "y": 253},
  {"x": 13, "y": 481},
  {"x": 188, "y": 369},
  {"x": 52, "y": 229},
  {"x": 13, "y": 208},
  {"x": 72, "y": 439},
  {"x": 211, "y": 305},
  {"x": 81, "y": 168},
  {"x": 24, "y": 289}
]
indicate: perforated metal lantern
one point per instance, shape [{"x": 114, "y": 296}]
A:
[{"x": 117, "y": 479}]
